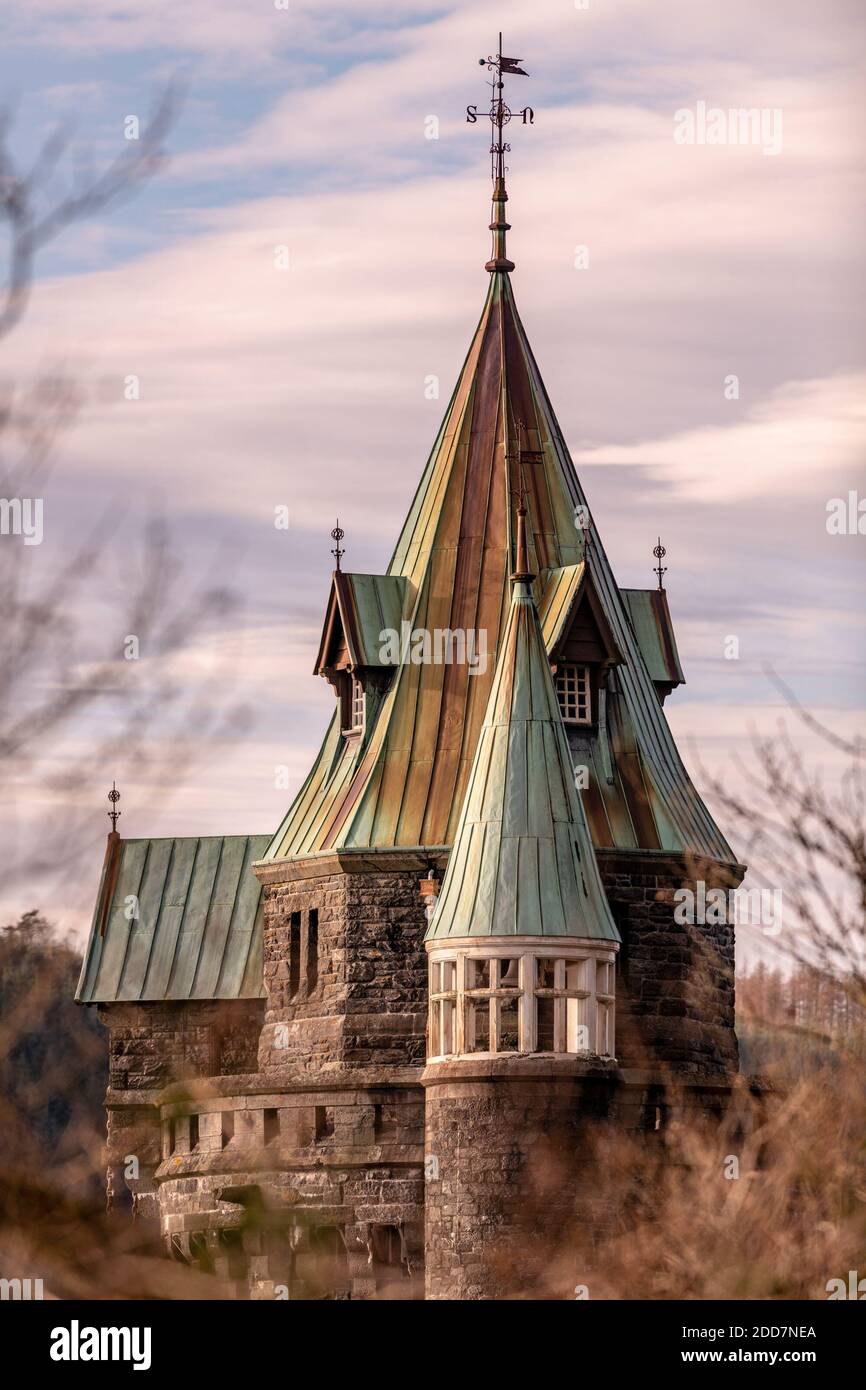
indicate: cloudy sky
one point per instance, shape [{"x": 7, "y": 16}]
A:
[{"x": 307, "y": 128}]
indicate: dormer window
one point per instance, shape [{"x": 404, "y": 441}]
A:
[
  {"x": 574, "y": 692},
  {"x": 356, "y": 655},
  {"x": 581, "y": 647},
  {"x": 353, "y": 704},
  {"x": 356, "y": 707}
]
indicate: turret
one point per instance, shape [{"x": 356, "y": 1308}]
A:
[{"x": 522, "y": 949}]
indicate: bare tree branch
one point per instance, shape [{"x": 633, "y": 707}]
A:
[{"x": 29, "y": 229}]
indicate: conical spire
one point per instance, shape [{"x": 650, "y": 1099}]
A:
[
  {"x": 523, "y": 862},
  {"x": 403, "y": 785}
]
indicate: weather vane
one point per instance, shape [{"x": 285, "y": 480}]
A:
[
  {"x": 337, "y": 535},
  {"x": 114, "y": 814},
  {"x": 499, "y": 113},
  {"x": 659, "y": 552}
]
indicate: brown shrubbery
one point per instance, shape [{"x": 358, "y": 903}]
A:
[
  {"x": 794, "y": 1217},
  {"x": 771, "y": 1203}
]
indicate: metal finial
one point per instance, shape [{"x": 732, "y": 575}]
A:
[
  {"x": 583, "y": 526},
  {"x": 499, "y": 115},
  {"x": 659, "y": 552},
  {"x": 521, "y": 569},
  {"x": 337, "y": 535},
  {"x": 114, "y": 815}
]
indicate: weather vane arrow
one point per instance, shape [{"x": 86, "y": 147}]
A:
[{"x": 509, "y": 64}]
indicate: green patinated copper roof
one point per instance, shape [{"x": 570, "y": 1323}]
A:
[
  {"x": 364, "y": 606},
  {"x": 654, "y": 630},
  {"x": 405, "y": 785},
  {"x": 557, "y": 601},
  {"x": 564, "y": 590},
  {"x": 523, "y": 862},
  {"x": 198, "y": 933}
]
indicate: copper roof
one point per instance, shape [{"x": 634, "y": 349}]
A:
[
  {"x": 176, "y": 919},
  {"x": 405, "y": 785},
  {"x": 557, "y": 601},
  {"x": 651, "y": 619},
  {"x": 523, "y": 862},
  {"x": 363, "y": 606}
]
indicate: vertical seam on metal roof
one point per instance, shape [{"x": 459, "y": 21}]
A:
[
  {"x": 131, "y": 924},
  {"x": 242, "y": 869},
  {"x": 180, "y": 925}
]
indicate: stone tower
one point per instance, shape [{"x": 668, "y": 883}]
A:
[
  {"x": 522, "y": 949},
  {"x": 268, "y": 999}
]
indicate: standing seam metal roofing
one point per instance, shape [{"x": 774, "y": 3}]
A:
[
  {"x": 523, "y": 862},
  {"x": 406, "y": 785},
  {"x": 198, "y": 929},
  {"x": 367, "y": 605},
  {"x": 654, "y": 630}
]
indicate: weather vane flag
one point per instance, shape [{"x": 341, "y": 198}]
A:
[{"x": 499, "y": 115}]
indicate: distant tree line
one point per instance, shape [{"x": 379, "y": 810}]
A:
[
  {"x": 805, "y": 998},
  {"x": 53, "y": 1061}
]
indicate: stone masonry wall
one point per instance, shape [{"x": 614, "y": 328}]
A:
[
  {"x": 675, "y": 983},
  {"x": 152, "y": 1045},
  {"x": 520, "y": 1189},
  {"x": 329, "y": 1107},
  {"x": 510, "y": 1171},
  {"x": 369, "y": 1004},
  {"x": 332, "y": 1179},
  {"x": 344, "y": 1039}
]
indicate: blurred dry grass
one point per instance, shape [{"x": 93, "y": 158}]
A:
[
  {"x": 684, "y": 1227},
  {"x": 679, "y": 1225},
  {"x": 53, "y": 1074}
]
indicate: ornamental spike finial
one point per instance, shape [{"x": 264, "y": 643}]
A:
[
  {"x": 659, "y": 552},
  {"x": 582, "y": 522},
  {"x": 521, "y": 571},
  {"x": 114, "y": 815},
  {"x": 337, "y": 535}
]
